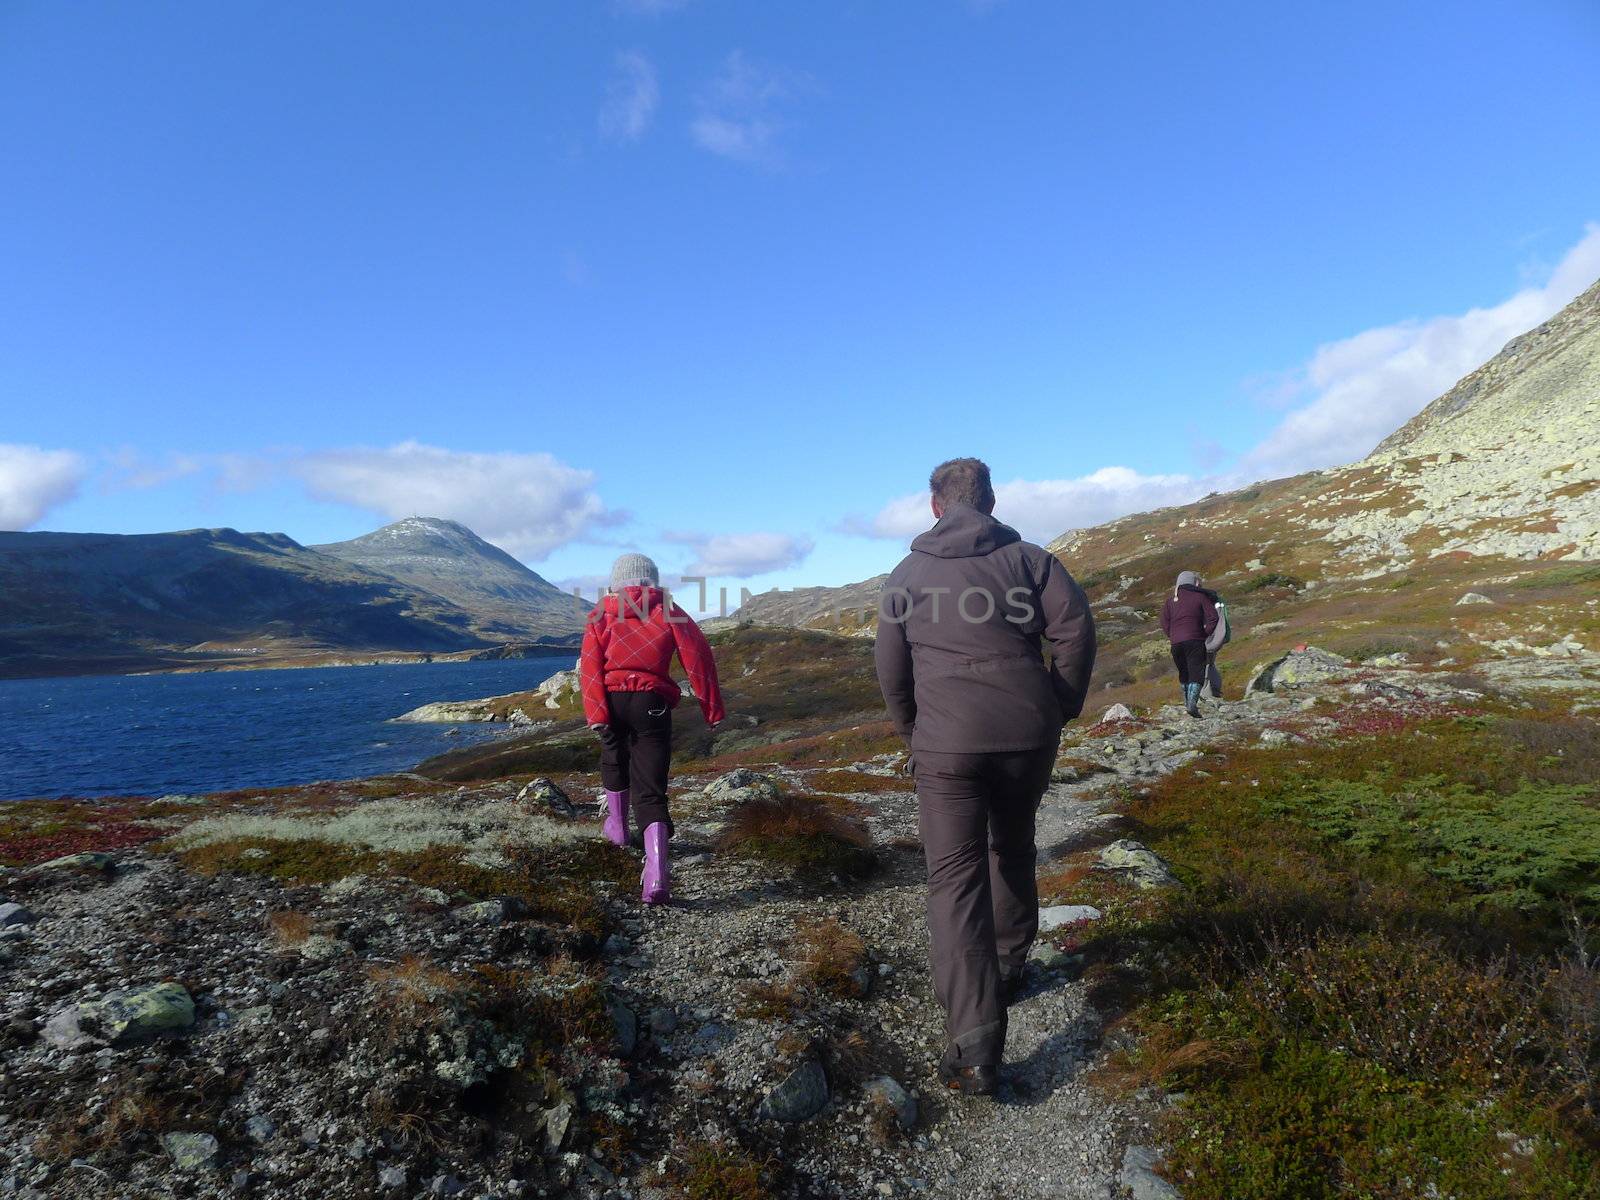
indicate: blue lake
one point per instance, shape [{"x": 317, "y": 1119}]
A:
[{"x": 107, "y": 735}]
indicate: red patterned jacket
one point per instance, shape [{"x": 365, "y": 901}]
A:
[{"x": 627, "y": 647}]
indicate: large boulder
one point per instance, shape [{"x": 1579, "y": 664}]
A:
[{"x": 1298, "y": 668}]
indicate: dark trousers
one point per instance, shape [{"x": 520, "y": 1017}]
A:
[
  {"x": 977, "y": 818},
  {"x": 1190, "y": 659},
  {"x": 635, "y": 750},
  {"x": 1213, "y": 675}
]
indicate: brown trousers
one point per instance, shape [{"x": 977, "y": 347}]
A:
[{"x": 977, "y": 817}]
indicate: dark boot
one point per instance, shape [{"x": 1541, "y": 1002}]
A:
[
  {"x": 1191, "y": 699},
  {"x": 982, "y": 1080}
]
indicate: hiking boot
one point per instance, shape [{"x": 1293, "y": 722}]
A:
[
  {"x": 656, "y": 879},
  {"x": 983, "y": 1080},
  {"x": 1011, "y": 989},
  {"x": 1191, "y": 699},
  {"x": 616, "y": 823}
]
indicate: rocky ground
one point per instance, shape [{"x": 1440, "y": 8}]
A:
[{"x": 373, "y": 992}]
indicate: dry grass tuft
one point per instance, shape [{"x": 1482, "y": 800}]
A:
[
  {"x": 801, "y": 832},
  {"x": 288, "y": 930}
]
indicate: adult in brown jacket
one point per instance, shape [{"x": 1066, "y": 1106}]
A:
[{"x": 984, "y": 651}]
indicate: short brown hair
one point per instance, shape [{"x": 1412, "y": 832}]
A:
[{"x": 962, "y": 481}]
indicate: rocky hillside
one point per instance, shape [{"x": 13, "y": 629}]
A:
[
  {"x": 106, "y": 602},
  {"x": 448, "y": 560},
  {"x": 852, "y": 607}
]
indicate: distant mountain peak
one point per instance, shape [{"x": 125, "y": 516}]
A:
[{"x": 448, "y": 559}]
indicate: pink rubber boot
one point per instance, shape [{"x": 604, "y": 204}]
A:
[
  {"x": 657, "y": 876},
  {"x": 616, "y": 824}
]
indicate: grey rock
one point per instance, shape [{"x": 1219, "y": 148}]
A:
[
  {"x": 663, "y": 1021},
  {"x": 1048, "y": 956},
  {"x": 319, "y": 947},
  {"x": 801, "y": 1096},
  {"x": 1147, "y": 868},
  {"x": 1138, "y": 1175},
  {"x": 740, "y": 786},
  {"x": 88, "y": 860},
  {"x": 446, "y": 1185},
  {"x": 557, "y": 1121},
  {"x": 1297, "y": 668},
  {"x": 1058, "y": 916},
  {"x": 1276, "y": 737},
  {"x": 260, "y": 1128},
  {"x": 888, "y": 1092},
  {"x": 490, "y": 912},
  {"x": 545, "y": 791},
  {"x": 191, "y": 1151},
  {"x": 392, "y": 1179},
  {"x": 626, "y": 1022},
  {"x": 1473, "y": 598},
  {"x": 1117, "y": 712},
  {"x": 14, "y": 914},
  {"x": 136, "y": 1013},
  {"x": 65, "y": 1030}
]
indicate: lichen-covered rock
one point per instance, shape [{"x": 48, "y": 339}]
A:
[
  {"x": 136, "y": 1013},
  {"x": 191, "y": 1151},
  {"x": 741, "y": 786},
  {"x": 1474, "y": 598},
  {"x": 545, "y": 792},
  {"x": 1145, "y": 867}
]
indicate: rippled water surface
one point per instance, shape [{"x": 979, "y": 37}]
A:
[{"x": 108, "y": 735}]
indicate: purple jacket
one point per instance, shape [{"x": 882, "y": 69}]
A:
[{"x": 1188, "y": 615}]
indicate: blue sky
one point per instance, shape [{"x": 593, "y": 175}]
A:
[{"x": 722, "y": 281}]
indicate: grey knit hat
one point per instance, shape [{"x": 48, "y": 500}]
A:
[{"x": 634, "y": 569}]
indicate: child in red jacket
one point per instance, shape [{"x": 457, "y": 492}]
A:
[{"x": 628, "y": 697}]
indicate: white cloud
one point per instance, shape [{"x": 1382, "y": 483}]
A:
[
  {"x": 1042, "y": 509},
  {"x": 131, "y": 468},
  {"x": 1362, "y": 388},
  {"x": 34, "y": 480},
  {"x": 741, "y": 555},
  {"x": 631, "y": 98},
  {"x": 528, "y": 504},
  {"x": 1352, "y": 394},
  {"x": 737, "y": 115}
]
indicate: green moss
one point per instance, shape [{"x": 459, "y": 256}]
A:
[
  {"x": 1316, "y": 1124},
  {"x": 1369, "y": 984},
  {"x": 721, "y": 1172}
]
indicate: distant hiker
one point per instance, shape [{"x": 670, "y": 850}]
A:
[
  {"x": 1188, "y": 618},
  {"x": 984, "y": 651},
  {"x": 1215, "y": 641},
  {"x": 628, "y": 697}
]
